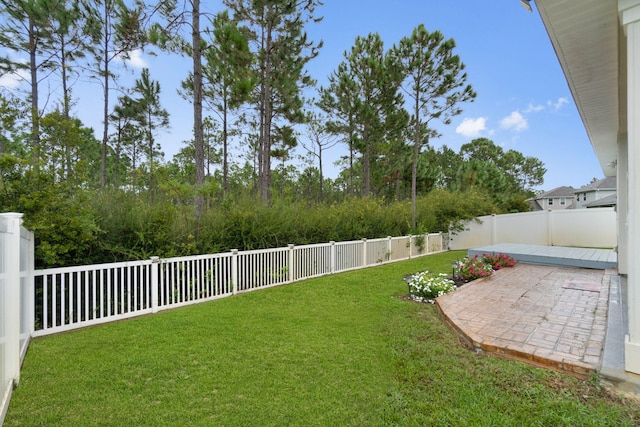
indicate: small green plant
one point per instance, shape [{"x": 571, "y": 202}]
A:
[
  {"x": 474, "y": 268},
  {"x": 426, "y": 287},
  {"x": 420, "y": 241}
]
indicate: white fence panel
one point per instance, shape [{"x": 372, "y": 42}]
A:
[
  {"x": 16, "y": 302},
  {"x": 262, "y": 268},
  {"x": 80, "y": 296},
  {"x": 435, "y": 243},
  {"x": 349, "y": 256},
  {"x": 7, "y": 372},
  {"x": 378, "y": 251},
  {"x": 188, "y": 280},
  {"x": 312, "y": 260},
  {"x": 530, "y": 227},
  {"x": 571, "y": 227},
  {"x": 592, "y": 228},
  {"x": 399, "y": 248}
]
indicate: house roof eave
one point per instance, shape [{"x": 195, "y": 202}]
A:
[{"x": 585, "y": 36}]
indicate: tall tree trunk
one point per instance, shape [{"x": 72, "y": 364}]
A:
[
  {"x": 35, "y": 113},
  {"x": 198, "y": 132},
  {"x": 366, "y": 164},
  {"x": 225, "y": 145},
  {"x": 65, "y": 89},
  {"x": 264, "y": 178},
  {"x": 351, "y": 188},
  {"x": 414, "y": 164},
  {"x": 105, "y": 117},
  {"x": 65, "y": 100},
  {"x": 321, "y": 175}
]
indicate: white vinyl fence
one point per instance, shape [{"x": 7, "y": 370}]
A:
[
  {"x": 16, "y": 302},
  {"x": 73, "y": 297},
  {"x": 591, "y": 228},
  {"x": 42, "y": 302}
]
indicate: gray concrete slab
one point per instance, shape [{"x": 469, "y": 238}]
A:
[{"x": 553, "y": 255}]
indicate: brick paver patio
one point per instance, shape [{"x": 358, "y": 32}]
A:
[{"x": 549, "y": 316}]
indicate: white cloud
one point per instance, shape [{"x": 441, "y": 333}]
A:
[
  {"x": 15, "y": 79},
  {"x": 558, "y": 104},
  {"x": 514, "y": 121},
  {"x": 472, "y": 128},
  {"x": 533, "y": 108},
  {"x": 134, "y": 59}
]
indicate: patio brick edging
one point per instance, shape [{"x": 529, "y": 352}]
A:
[{"x": 579, "y": 370}]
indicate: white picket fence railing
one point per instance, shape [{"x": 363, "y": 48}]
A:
[
  {"x": 74, "y": 297},
  {"x": 42, "y": 302}
]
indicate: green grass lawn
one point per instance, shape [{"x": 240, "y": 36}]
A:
[{"x": 342, "y": 350}]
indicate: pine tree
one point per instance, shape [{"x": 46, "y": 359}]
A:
[
  {"x": 151, "y": 115},
  {"x": 115, "y": 30},
  {"x": 435, "y": 85},
  {"x": 22, "y": 30},
  {"x": 282, "y": 51},
  {"x": 365, "y": 91}
]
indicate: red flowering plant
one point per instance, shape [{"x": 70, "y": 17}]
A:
[
  {"x": 474, "y": 268},
  {"x": 498, "y": 261}
]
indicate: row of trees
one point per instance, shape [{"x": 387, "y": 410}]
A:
[{"x": 251, "y": 94}]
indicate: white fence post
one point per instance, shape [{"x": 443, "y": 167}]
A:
[
  {"x": 550, "y": 229},
  {"x": 27, "y": 290},
  {"x": 155, "y": 282},
  {"x": 332, "y": 262},
  {"x": 410, "y": 246},
  {"x": 494, "y": 229},
  {"x": 291, "y": 275},
  {"x": 11, "y": 309},
  {"x": 234, "y": 271},
  {"x": 364, "y": 252}
]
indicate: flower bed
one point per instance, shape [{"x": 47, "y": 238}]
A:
[
  {"x": 426, "y": 287},
  {"x": 474, "y": 268},
  {"x": 499, "y": 261}
]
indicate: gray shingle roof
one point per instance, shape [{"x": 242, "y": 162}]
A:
[
  {"x": 611, "y": 200},
  {"x": 608, "y": 183},
  {"x": 557, "y": 192}
]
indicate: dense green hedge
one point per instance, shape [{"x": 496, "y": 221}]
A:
[{"x": 117, "y": 226}]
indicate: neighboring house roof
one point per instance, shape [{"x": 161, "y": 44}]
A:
[
  {"x": 609, "y": 183},
  {"x": 608, "y": 201},
  {"x": 556, "y": 192}
]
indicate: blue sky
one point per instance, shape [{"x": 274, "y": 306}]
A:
[{"x": 523, "y": 100}]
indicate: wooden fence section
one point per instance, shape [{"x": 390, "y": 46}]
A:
[{"x": 74, "y": 297}]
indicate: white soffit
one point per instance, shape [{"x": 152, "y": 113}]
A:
[{"x": 584, "y": 34}]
